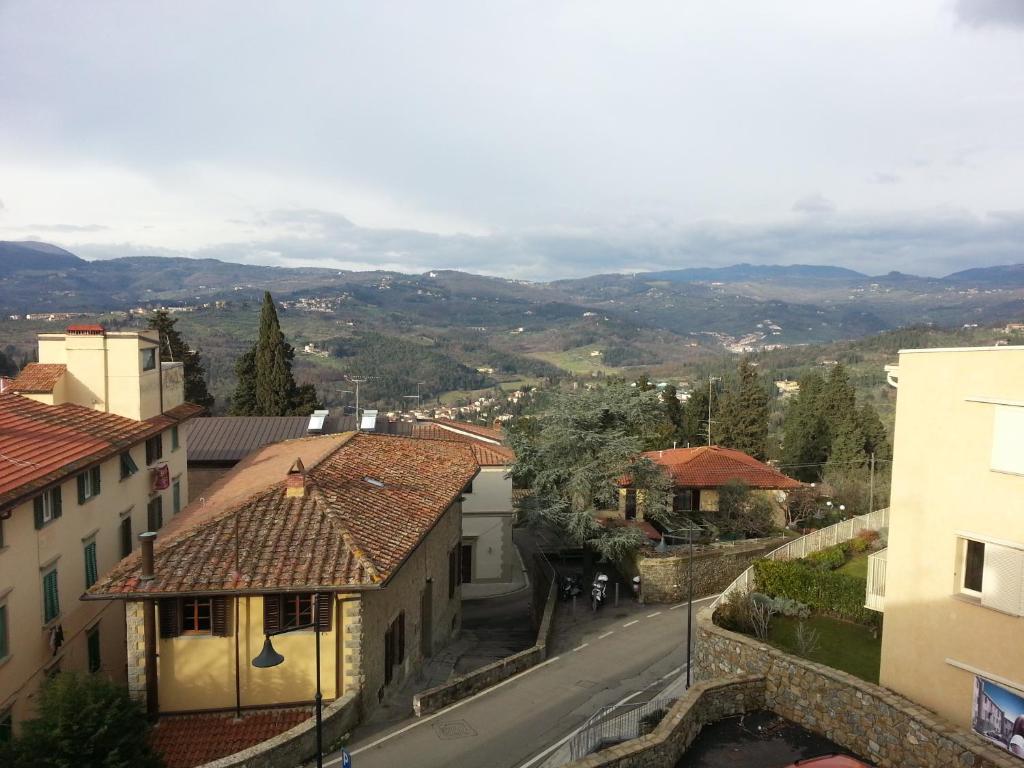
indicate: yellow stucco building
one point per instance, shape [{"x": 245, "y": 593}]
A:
[
  {"x": 92, "y": 452},
  {"x": 954, "y": 571}
]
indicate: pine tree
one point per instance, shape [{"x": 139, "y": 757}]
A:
[
  {"x": 876, "y": 438},
  {"x": 744, "y": 414},
  {"x": 174, "y": 348},
  {"x": 675, "y": 413},
  {"x": 806, "y": 442},
  {"x": 243, "y": 402}
]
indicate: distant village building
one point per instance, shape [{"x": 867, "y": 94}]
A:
[{"x": 787, "y": 388}]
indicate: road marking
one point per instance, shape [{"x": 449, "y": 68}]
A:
[
  {"x": 444, "y": 711},
  {"x": 580, "y": 647},
  {"x": 652, "y": 615},
  {"x": 602, "y": 637},
  {"x": 630, "y": 624},
  {"x": 681, "y": 605},
  {"x": 675, "y": 671}
]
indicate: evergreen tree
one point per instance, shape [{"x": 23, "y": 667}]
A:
[
  {"x": 675, "y": 413},
  {"x": 7, "y": 365},
  {"x": 174, "y": 348},
  {"x": 806, "y": 442},
  {"x": 876, "y": 438},
  {"x": 847, "y": 450},
  {"x": 744, "y": 414},
  {"x": 243, "y": 402},
  {"x": 838, "y": 400}
]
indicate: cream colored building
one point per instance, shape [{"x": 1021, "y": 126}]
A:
[
  {"x": 93, "y": 442},
  {"x": 954, "y": 570}
]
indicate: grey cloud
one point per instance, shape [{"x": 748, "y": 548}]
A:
[
  {"x": 815, "y": 203},
  {"x": 885, "y": 178},
  {"x": 980, "y": 13},
  {"x": 58, "y": 228}
]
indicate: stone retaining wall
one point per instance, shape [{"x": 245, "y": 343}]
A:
[
  {"x": 867, "y": 719},
  {"x": 433, "y": 699},
  {"x": 297, "y": 745},
  {"x": 704, "y": 703}
]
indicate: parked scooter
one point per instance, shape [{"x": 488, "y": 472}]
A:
[
  {"x": 599, "y": 591},
  {"x": 570, "y": 587}
]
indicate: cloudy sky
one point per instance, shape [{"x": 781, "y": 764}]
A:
[{"x": 533, "y": 139}]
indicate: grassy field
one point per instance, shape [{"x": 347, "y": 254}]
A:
[
  {"x": 857, "y": 566},
  {"x": 842, "y": 645},
  {"x": 576, "y": 360}
]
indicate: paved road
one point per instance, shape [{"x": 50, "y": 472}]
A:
[{"x": 599, "y": 660}]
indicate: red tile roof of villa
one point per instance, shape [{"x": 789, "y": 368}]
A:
[
  {"x": 489, "y": 433},
  {"x": 367, "y": 503},
  {"x": 38, "y": 378},
  {"x": 487, "y": 454},
  {"x": 41, "y": 444},
  {"x": 711, "y": 466}
]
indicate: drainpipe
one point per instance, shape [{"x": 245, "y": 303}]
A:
[{"x": 149, "y": 627}]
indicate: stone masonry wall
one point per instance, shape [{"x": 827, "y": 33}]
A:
[
  {"x": 867, "y": 719},
  {"x": 135, "y": 632}
]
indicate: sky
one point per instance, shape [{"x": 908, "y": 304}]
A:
[{"x": 530, "y": 139}]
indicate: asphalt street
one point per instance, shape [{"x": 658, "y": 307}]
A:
[{"x": 598, "y": 659}]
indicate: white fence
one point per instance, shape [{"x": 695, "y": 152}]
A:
[
  {"x": 814, "y": 542},
  {"x": 875, "y": 596}
]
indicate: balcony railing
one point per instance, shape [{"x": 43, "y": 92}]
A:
[{"x": 874, "y": 597}]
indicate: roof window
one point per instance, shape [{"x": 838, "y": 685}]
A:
[{"x": 374, "y": 482}]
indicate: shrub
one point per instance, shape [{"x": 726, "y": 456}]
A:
[
  {"x": 807, "y": 639},
  {"x": 735, "y": 612},
  {"x": 828, "y": 559},
  {"x": 832, "y": 593},
  {"x": 783, "y": 606},
  {"x": 858, "y": 545}
]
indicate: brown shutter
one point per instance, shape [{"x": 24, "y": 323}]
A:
[
  {"x": 324, "y": 603},
  {"x": 169, "y": 621},
  {"x": 271, "y": 613},
  {"x": 219, "y": 611},
  {"x": 401, "y": 637}
]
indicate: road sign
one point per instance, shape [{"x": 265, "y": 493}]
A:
[{"x": 346, "y": 759}]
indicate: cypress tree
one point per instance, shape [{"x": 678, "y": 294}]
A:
[
  {"x": 675, "y": 413},
  {"x": 806, "y": 442},
  {"x": 744, "y": 414},
  {"x": 174, "y": 348},
  {"x": 243, "y": 402},
  {"x": 876, "y": 438}
]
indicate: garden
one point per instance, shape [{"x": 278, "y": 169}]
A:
[{"x": 814, "y": 607}]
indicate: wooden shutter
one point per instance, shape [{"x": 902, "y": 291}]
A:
[
  {"x": 37, "y": 509},
  {"x": 271, "y": 613},
  {"x": 95, "y": 481},
  {"x": 401, "y": 637},
  {"x": 81, "y": 488},
  {"x": 219, "y": 612},
  {"x": 169, "y": 617},
  {"x": 1003, "y": 578},
  {"x": 324, "y": 604},
  {"x": 389, "y": 658},
  {"x": 56, "y": 502}
]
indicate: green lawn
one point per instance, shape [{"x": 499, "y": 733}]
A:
[
  {"x": 857, "y": 566},
  {"x": 842, "y": 645}
]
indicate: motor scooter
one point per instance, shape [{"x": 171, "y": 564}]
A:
[{"x": 599, "y": 591}]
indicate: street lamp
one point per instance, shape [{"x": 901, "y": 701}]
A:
[{"x": 271, "y": 658}]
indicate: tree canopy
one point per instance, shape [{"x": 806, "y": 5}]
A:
[
  {"x": 743, "y": 416},
  {"x": 173, "y": 347}
]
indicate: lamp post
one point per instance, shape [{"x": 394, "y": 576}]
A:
[
  {"x": 689, "y": 606},
  {"x": 271, "y": 658}
]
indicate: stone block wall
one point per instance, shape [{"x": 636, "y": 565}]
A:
[
  {"x": 351, "y": 646},
  {"x": 867, "y": 719},
  {"x": 135, "y": 634}
]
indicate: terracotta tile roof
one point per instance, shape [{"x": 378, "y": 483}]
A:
[
  {"x": 38, "y": 378},
  {"x": 345, "y": 531},
  {"x": 86, "y": 328},
  {"x": 487, "y": 454},
  {"x": 43, "y": 444},
  {"x": 185, "y": 741},
  {"x": 481, "y": 431},
  {"x": 710, "y": 466}
]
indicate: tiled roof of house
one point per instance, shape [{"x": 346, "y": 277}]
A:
[
  {"x": 38, "y": 378},
  {"x": 368, "y": 502},
  {"x": 710, "y": 466},
  {"x": 487, "y": 454},
  {"x": 185, "y": 741},
  {"x": 43, "y": 444},
  {"x": 487, "y": 432},
  {"x": 232, "y": 438}
]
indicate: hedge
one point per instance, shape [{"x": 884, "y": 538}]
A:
[{"x": 829, "y": 592}]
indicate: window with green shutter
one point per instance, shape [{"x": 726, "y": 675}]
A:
[
  {"x": 90, "y": 564},
  {"x": 155, "y": 513},
  {"x": 51, "y": 598},
  {"x": 88, "y": 485},
  {"x": 128, "y": 465},
  {"x": 5, "y": 647},
  {"x": 174, "y": 438},
  {"x": 92, "y": 640},
  {"x": 47, "y": 507},
  {"x": 126, "y": 536},
  {"x": 176, "y": 497}
]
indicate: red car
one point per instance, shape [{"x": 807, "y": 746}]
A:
[{"x": 829, "y": 761}]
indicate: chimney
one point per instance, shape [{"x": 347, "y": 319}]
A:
[
  {"x": 5, "y": 383},
  {"x": 147, "y": 540},
  {"x": 295, "y": 481}
]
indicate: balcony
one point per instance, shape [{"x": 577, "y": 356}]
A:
[{"x": 874, "y": 597}]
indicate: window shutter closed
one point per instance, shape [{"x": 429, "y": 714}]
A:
[
  {"x": 95, "y": 481},
  {"x": 324, "y": 604},
  {"x": 56, "y": 502},
  {"x": 1003, "y": 578},
  {"x": 169, "y": 626},
  {"x": 220, "y": 616},
  {"x": 37, "y": 508},
  {"x": 401, "y": 637},
  {"x": 81, "y": 488},
  {"x": 271, "y": 613}
]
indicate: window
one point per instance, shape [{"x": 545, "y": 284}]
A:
[
  {"x": 149, "y": 359},
  {"x": 683, "y": 501},
  {"x": 176, "y": 497},
  {"x": 453, "y": 571},
  {"x": 296, "y": 610},
  {"x": 1008, "y": 439},
  {"x": 47, "y": 507},
  {"x": 468, "y": 488},
  {"x": 155, "y": 513},
  {"x": 126, "y": 536},
  {"x": 974, "y": 566},
  {"x": 88, "y": 485},
  {"x": 92, "y": 641},
  {"x": 5, "y": 647},
  {"x": 992, "y": 574},
  {"x": 197, "y": 616},
  {"x": 154, "y": 449},
  {"x": 394, "y": 647},
  {"x": 128, "y": 465},
  {"x": 630, "y": 508},
  {"x": 174, "y": 438},
  {"x": 90, "y": 564},
  {"x": 1, "y": 533},
  {"x": 51, "y": 597}
]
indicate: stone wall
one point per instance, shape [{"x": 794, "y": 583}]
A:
[
  {"x": 298, "y": 745},
  {"x": 135, "y": 634},
  {"x": 704, "y": 703},
  {"x": 867, "y": 719},
  {"x": 664, "y": 578}
]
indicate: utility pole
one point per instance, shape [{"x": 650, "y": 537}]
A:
[
  {"x": 710, "y": 379},
  {"x": 871, "y": 485},
  {"x": 357, "y": 381}
]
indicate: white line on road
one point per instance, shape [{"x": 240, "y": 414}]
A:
[
  {"x": 581, "y": 647},
  {"x": 652, "y": 615},
  {"x": 444, "y": 711},
  {"x": 680, "y": 605},
  {"x": 630, "y": 624},
  {"x": 602, "y": 637}
]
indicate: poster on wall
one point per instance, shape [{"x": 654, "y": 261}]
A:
[{"x": 998, "y": 715}]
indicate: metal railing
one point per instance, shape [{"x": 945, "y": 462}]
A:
[
  {"x": 617, "y": 723},
  {"x": 874, "y": 597},
  {"x": 813, "y": 542}
]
